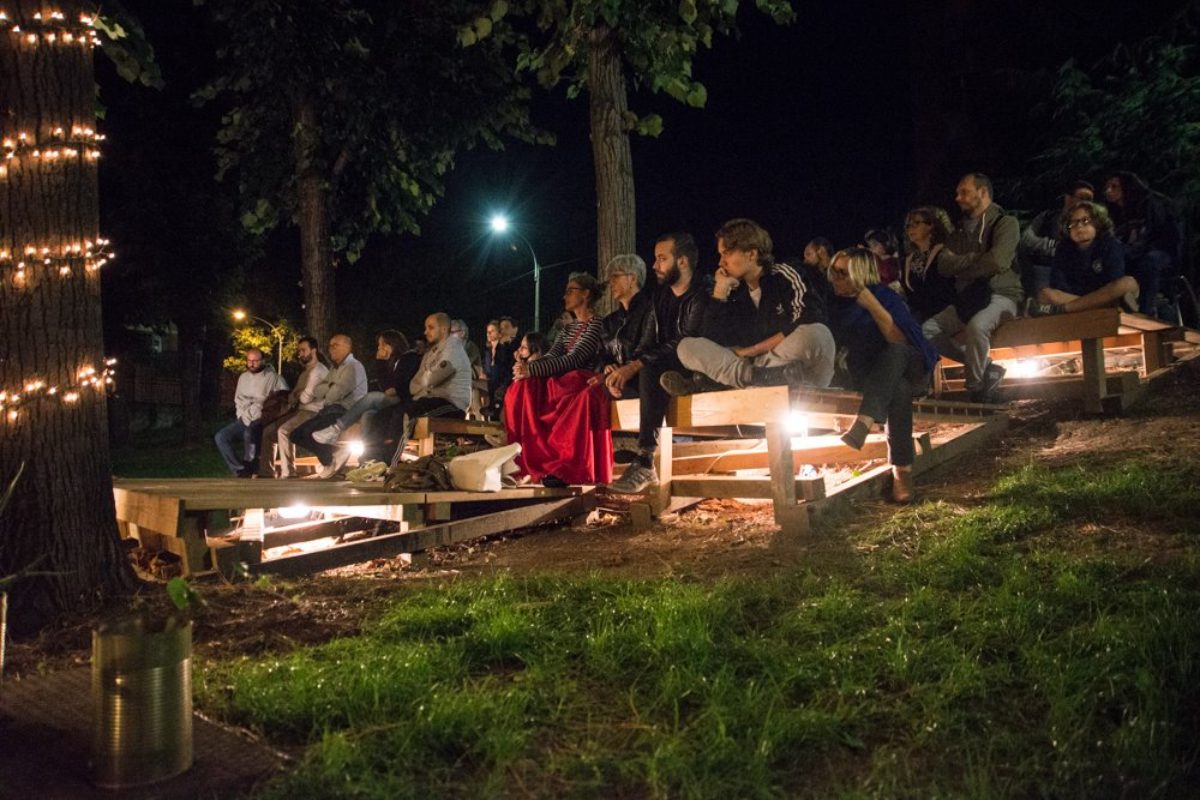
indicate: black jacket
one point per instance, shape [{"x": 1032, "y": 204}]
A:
[
  {"x": 786, "y": 304},
  {"x": 676, "y": 318},
  {"x": 627, "y": 331}
]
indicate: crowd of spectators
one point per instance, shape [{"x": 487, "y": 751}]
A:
[{"x": 874, "y": 316}]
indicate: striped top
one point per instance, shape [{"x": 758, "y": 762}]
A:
[{"x": 575, "y": 348}]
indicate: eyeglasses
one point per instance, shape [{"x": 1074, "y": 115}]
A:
[
  {"x": 576, "y": 289},
  {"x": 253, "y": 360},
  {"x": 1079, "y": 223},
  {"x": 913, "y": 222}
]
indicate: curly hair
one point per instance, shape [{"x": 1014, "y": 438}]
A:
[{"x": 1096, "y": 211}]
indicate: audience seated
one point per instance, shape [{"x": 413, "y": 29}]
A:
[
  {"x": 1089, "y": 269},
  {"x": 817, "y": 254},
  {"x": 563, "y": 428},
  {"x": 393, "y": 371},
  {"x": 1147, "y": 228},
  {"x": 301, "y": 408},
  {"x": 629, "y": 329},
  {"x": 342, "y": 387},
  {"x": 1040, "y": 238},
  {"x": 679, "y": 308},
  {"x": 497, "y": 367},
  {"x": 883, "y": 244},
  {"x": 459, "y": 328},
  {"x": 979, "y": 256},
  {"x": 760, "y": 329},
  {"x": 253, "y": 387},
  {"x": 889, "y": 359},
  {"x": 925, "y": 288}
]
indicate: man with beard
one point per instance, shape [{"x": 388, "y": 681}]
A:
[
  {"x": 253, "y": 387},
  {"x": 679, "y": 312},
  {"x": 301, "y": 408}
]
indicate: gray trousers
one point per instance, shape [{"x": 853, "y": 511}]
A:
[
  {"x": 287, "y": 461},
  {"x": 811, "y": 345},
  {"x": 943, "y": 326}
]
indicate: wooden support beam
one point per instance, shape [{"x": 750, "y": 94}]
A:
[
  {"x": 1095, "y": 324},
  {"x": 418, "y": 540},
  {"x": 750, "y": 406},
  {"x": 827, "y": 449},
  {"x": 723, "y": 486},
  {"x": 664, "y": 456}
]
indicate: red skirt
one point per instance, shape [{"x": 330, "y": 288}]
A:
[{"x": 562, "y": 425}]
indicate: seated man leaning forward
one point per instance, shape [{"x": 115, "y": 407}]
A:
[
  {"x": 344, "y": 386},
  {"x": 253, "y": 387},
  {"x": 1089, "y": 271},
  {"x": 759, "y": 330}
]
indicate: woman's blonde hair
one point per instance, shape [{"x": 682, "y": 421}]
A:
[{"x": 862, "y": 266}]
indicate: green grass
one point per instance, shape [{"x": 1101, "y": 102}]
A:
[
  {"x": 166, "y": 454},
  {"x": 976, "y": 654}
]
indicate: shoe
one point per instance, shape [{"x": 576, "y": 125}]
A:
[
  {"x": 856, "y": 437},
  {"x": 902, "y": 490},
  {"x": 1043, "y": 309},
  {"x": 553, "y": 482},
  {"x": 1129, "y": 302},
  {"x": 636, "y": 479},
  {"x": 327, "y": 435},
  {"x": 677, "y": 384},
  {"x": 247, "y": 472},
  {"x": 993, "y": 376},
  {"x": 624, "y": 456}
]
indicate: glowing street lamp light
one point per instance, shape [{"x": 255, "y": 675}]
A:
[
  {"x": 276, "y": 331},
  {"x": 500, "y": 225}
]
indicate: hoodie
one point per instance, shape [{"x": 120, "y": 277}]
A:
[{"x": 988, "y": 252}]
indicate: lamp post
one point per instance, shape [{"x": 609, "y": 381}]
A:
[
  {"x": 500, "y": 225},
  {"x": 276, "y": 331}
]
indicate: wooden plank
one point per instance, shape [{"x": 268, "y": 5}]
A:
[
  {"x": 966, "y": 441},
  {"x": 1141, "y": 322},
  {"x": 1095, "y": 324},
  {"x": 626, "y": 414},
  {"x": 157, "y": 512},
  {"x": 664, "y": 457},
  {"x": 722, "y": 486},
  {"x": 418, "y": 540},
  {"x": 1094, "y": 387},
  {"x": 750, "y": 406},
  {"x": 783, "y": 472},
  {"x": 810, "y": 450}
]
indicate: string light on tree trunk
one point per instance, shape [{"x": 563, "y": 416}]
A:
[
  {"x": 53, "y": 28},
  {"x": 82, "y": 142},
  {"x": 87, "y": 379},
  {"x": 88, "y": 255}
]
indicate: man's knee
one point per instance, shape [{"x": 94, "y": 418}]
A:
[{"x": 688, "y": 350}]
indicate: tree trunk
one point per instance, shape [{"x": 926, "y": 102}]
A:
[
  {"x": 50, "y": 328},
  {"x": 192, "y": 335},
  {"x": 609, "y": 107},
  {"x": 312, "y": 218}
]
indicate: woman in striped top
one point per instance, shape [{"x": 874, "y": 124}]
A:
[{"x": 562, "y": 428}]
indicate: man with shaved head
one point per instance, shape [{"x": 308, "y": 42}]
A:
[{"x": 344, "y": 386}]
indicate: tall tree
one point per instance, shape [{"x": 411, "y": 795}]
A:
[
  {"x": 605, "y": 46},
  {"x": 344, "y": 116},
  {"x": 52, "y": 384}
]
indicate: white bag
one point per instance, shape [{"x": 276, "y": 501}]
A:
[{"x": 482, "y": 471}]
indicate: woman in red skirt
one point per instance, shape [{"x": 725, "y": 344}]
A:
[{"x": 563, "y": 429}]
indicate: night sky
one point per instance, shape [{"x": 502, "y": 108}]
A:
[{"x": 811, "y": 129}]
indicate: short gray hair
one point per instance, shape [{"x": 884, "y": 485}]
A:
[{"x": 630, "y": 263}]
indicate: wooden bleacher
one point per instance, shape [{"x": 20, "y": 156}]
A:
[{"x": 1087, "y": 336}]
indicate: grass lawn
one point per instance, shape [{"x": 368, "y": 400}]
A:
[
  {"x": 976, "y": 650},
  {"x": 166, "y": 454}
]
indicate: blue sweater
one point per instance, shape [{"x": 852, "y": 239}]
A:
[
  {"x": 1082, "y": 270},
  {"x": 854, "y": 329}
]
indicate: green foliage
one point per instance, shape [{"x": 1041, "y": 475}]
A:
[
  {"x": 971, "y": 658},
  {"x": 1139, "y": 109},
  {"x": 254, "y": 334},
  {"x": 372, "y": 96},
  {"x": 126, "y": 45},
  {"x": 658, "y": 40},
  {"x": 182, "y": 595}
]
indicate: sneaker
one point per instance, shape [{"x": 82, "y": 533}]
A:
[
  {"x": 1129, "y": 302},
  {"x": 636, "y": 479},
  {"x": 339, "y": 462},
  {"x": 988, "y": 392},
  {"x": 327, "y": 435},
  {"x": 624, "y": 456},
  {"x": 677, "y": 384},
  {"x": 1043, "y": 309},
  {"x": 553, "y": 482}
]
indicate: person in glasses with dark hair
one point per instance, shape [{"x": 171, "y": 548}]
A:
[
  {"x": 1089, "y": 267},
  {"x": 1041, "y": 237},
  {"x": 926, "y": 290}
]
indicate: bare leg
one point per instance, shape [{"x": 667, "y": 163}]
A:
[{"x": 1108, "y": 295}]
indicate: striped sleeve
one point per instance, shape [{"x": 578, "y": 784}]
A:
[{"x": 579, "y": 356}]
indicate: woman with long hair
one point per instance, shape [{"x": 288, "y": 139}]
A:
[
  {"x": 1148, "y": 231},
  {"x": 888, "y": 358},
  {"x": 927, "y": 290}
]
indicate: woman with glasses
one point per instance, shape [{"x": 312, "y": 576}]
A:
[
  {"x": 888, "y": 357},
  {"x": 927, "y": 290},
  {"x": 1088, "y": 271},
  {"x": 563, "y": 429}
]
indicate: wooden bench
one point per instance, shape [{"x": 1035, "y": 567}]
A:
[
  {"x": 1087, "y": 335},
  {"x": 426, "y": 429},
  {"x": 781, "y": 449}
]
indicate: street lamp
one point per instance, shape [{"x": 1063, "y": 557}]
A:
[
  {"x": 500, "y": 225},
  {"x": 276, "y": 331}
]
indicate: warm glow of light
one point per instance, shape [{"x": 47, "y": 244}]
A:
[
  {"x": 238, "y": 314},
  {"x": 1024, "y": 368},
  {"x": 797, "y": 424},
  {"x": 499, "y": 223},
  {"x": 357, "y": 448},
  {"x": 297, "y": 511}
]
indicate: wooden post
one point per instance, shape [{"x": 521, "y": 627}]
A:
[
  {"x": 1094, "y": 382},
  {"x": 788, "y": 514},
  {"x": 660, "y": 496}
]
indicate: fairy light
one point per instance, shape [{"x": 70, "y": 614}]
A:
[
  {"x": 53, "y": 28},
  {"x": 89, "y": 255},
  {"x": 87, "y": 379},
  {"x": 59, "y": 146}
]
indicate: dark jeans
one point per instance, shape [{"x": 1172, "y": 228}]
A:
[
  {"x": 396, "y": 424},
  {"x": 888, "y": 385},
  {"x": 302, "y": 436},
  {"x": 232, "y": 433},
  {"x": 653, "y": 404},
  {"x": 1148, "y": 270}
]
